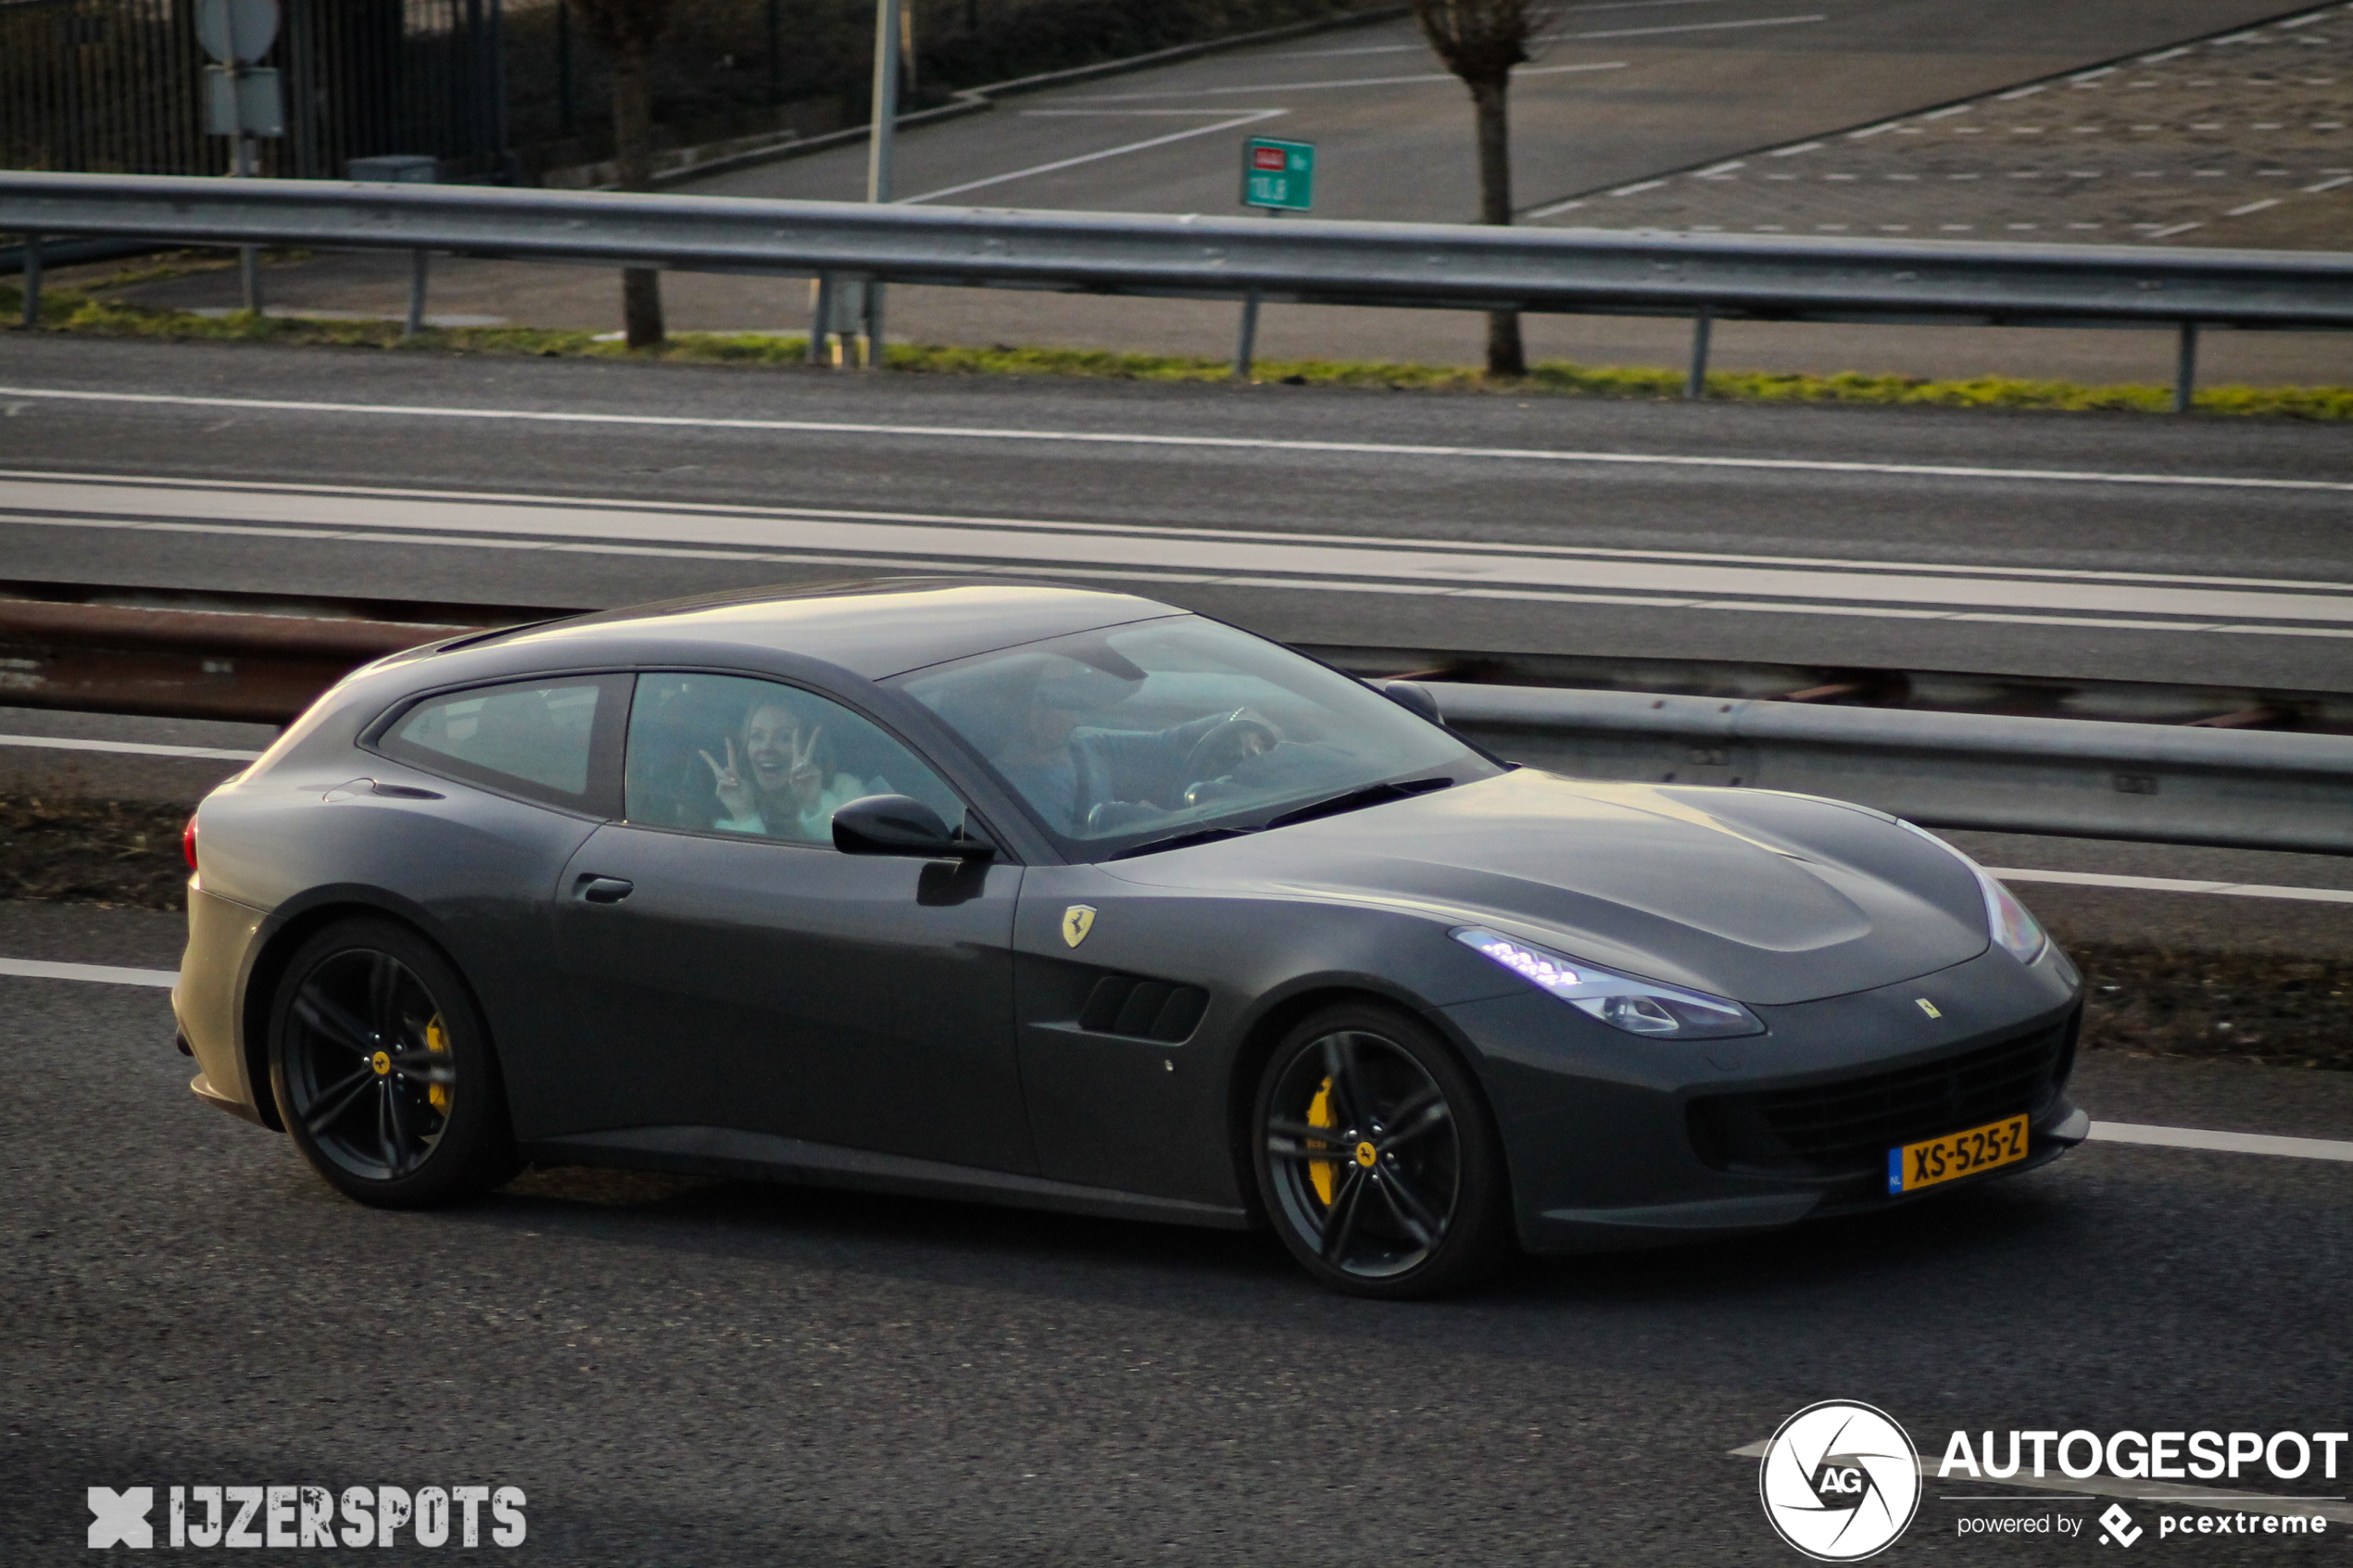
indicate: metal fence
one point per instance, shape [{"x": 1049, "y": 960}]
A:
[
  {"x": 2081, "y": 778},
  {"x": 114, "y": 86},
  {"x": 1433, "y": 266}
]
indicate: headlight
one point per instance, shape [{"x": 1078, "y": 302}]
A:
[
  {"x": 2007, "y": 922},
  {"x": 1639, "y": 1007}
]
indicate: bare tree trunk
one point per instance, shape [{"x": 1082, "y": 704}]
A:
[
  {"x": 633, "y": 124},
  {"x": 1505, "y": 355}
]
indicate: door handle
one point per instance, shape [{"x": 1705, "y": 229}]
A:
[{"x": 592, "y": 889}]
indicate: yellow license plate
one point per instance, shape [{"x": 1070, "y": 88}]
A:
[{"x": 1918, "y": 1165}]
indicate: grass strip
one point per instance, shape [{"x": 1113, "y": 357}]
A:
[{"x": 86, "y": 312}]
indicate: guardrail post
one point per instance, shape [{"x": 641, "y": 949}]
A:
[
  {"x": 248, "y": 165},
  {"x": 873, "y": 325},
  {"x": 32, "y": 280},
  {"x": 821, "y": 319},
  {"x": 1246, "y": 342},
  {"x": 419, "y": 261},
  {"x": 2186, "y": 369},
  {"x": 1702, "y": 326}
]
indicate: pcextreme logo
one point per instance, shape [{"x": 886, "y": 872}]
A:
[
  {"x": 306, "y": 1516},
  {"x": 1839, "y": 1481}
]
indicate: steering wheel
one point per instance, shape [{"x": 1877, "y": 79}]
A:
[{"x": 1223, "y": 749}]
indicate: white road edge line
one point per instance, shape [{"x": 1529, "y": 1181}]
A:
[
  {"x": 2222, "y": 1143},
  {"x": 139, "y": 749},
  {"x": 2174, "y": 884},
  {"x": 351, "y": 534},
  {"x": 1316, "y": 87},
  {"x": 1241, "y": 442},
  {"x": 97, "y": 974},
  {"x": 1249, "y": 117},
  {"x": 2335, "y": 1508}
]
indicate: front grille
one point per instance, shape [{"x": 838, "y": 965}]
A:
[{"x": 1847, "y": 1126}]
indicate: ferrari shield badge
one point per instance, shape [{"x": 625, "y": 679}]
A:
[{"x": 1078, "y": 921}]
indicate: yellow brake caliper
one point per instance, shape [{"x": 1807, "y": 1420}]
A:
[
  {"x": 1319, "y": 1114},
  {"x": 437, "y": 1041}
]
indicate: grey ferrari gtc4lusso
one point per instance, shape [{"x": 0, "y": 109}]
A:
[{"x": 1051, "y": 896}]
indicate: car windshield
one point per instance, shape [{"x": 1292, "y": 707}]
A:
[{"x": 1165, "y": 729}]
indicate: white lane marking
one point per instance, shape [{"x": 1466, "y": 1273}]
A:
[
  {"x": 2175, "y": 885},
  {"x": 1249, "y": 117},
  {"x": 1317, "y": 86},
  {"x": 2334, "y": 1508},
  {"x": 1229, "y": 443},
  {"x": 1400, "y": 48},
  {"x": 1210, "y": 555},
  {"x": 1689, "y": 27},
  {"x": 142, "y": 748},
  {"x": 971, "y": 520},
  {"x": 1108, "y": 574},
  {"x": 97, "y": 974},
  {"x": 2221, "y": 1143}
]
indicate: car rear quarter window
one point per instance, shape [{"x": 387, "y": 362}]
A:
[{"x": 552, "y": 741}]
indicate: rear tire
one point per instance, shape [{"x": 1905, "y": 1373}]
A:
[
  {"x": 382, "y": 1070},
  {"x": 1376, "y": 1157}
]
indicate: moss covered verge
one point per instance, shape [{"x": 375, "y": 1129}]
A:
[
  {"x": 2143, "y": 1000},
  {"x": 89, "y": 313},
  {"x": 83, "y": 851}
]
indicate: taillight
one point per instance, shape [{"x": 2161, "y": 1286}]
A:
[{"x": 188, "y": 842}]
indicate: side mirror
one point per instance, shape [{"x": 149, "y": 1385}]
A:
[
  {"x": 1411, "y": 697},
  {"x": 899, "y": 824}
]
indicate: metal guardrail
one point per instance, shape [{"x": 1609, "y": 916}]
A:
[
  {"x": 2079, "y": 777},
  {"x": 1430, "y": 266},
  {"x": 2086, "y": 778}
]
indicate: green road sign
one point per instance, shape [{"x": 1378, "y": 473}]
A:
[{"x": 1279, "y": 174}]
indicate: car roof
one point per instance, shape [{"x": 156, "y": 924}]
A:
[{"x": 873, "y": 628}]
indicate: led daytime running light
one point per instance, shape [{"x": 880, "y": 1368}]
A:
[{"x": 1622, "y": 1001}]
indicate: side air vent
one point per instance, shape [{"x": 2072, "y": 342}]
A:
[{"x": 1143, "y": 1009}]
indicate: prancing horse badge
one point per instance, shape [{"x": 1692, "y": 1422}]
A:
[{"x": 1078, "y": 921}]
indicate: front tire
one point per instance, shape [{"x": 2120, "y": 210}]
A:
[
  {"x": 382, "y": 1070},
  {"x": 1376, "y": 1159}
]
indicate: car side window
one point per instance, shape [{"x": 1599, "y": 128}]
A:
[
  {"x": 545, "y": 740},
  {"x": 730, "y": 755}
]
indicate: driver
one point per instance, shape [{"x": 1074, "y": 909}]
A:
[{"x": 1078, "y": 775}]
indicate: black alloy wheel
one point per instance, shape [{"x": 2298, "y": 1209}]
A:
[
  {"x": 382, "y": 1070},
  {"x": 1376, "y": 1161}
]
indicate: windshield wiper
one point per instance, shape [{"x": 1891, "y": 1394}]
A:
[
  {"x": 1355, "y": 799},
  {"x": 1182, "y": 841}
]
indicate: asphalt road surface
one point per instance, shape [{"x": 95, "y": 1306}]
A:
[
  {"x": 2245, "y": 139},
  {"x": 687, "y": 1373},
  {"x": 1626, "y": 92},
  {"x": 2128, "y": 547},
  {"x": 1619, "y": 90}
]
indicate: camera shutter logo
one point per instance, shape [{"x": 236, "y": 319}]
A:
[{"x": 1839, "y": 1481}]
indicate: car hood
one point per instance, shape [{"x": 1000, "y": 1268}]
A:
[{"x": 1768, "y": 898}]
